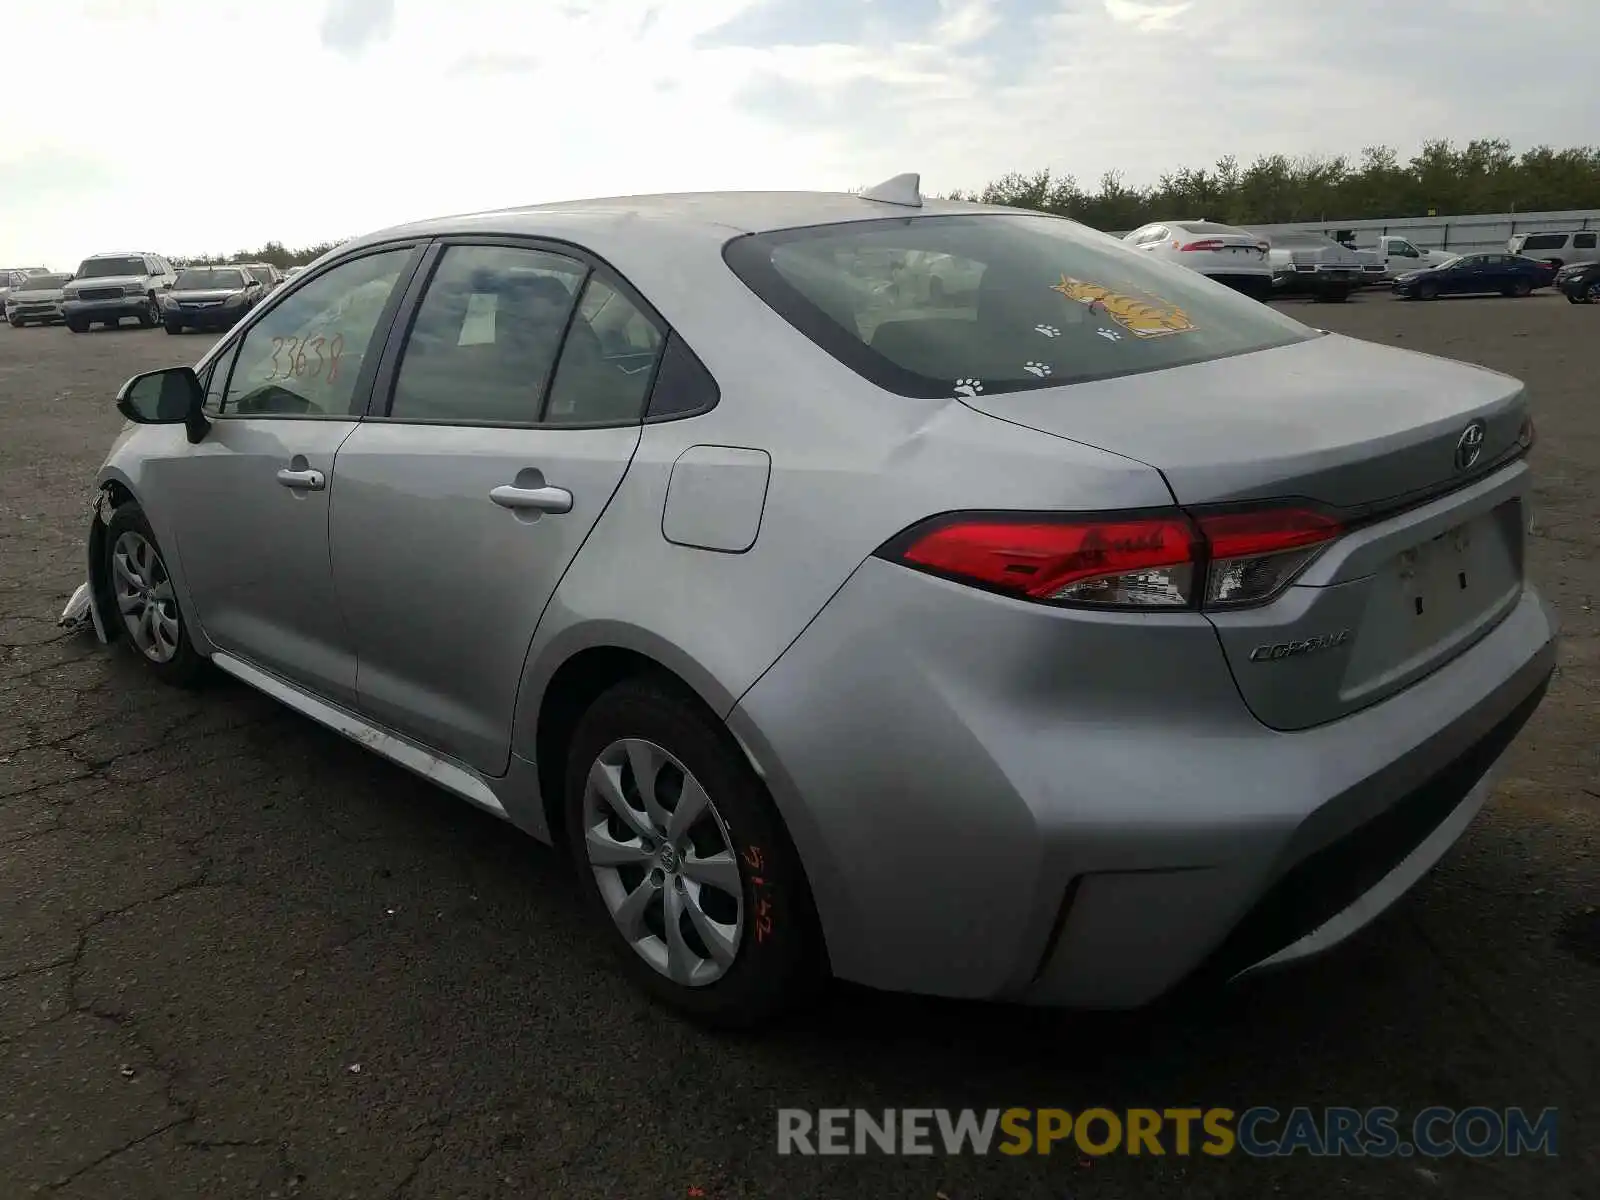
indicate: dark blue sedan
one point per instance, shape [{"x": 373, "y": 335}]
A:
[{"x": 1477, "y": 274}]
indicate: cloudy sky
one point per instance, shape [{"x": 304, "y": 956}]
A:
[{"x": 209, "y": 126}]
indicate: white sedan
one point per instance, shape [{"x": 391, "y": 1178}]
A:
[{"x": 1231, "y": 256}]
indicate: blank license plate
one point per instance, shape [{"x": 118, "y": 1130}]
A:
[{"x": 1439, "y": 584}]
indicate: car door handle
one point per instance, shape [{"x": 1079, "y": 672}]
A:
[
  {"x": 311, "y": 481},
  {"x": 539, "y": 499}
]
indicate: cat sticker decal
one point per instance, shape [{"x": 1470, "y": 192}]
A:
[{"x": 1147, "y": 316}]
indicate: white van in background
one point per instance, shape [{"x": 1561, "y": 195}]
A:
[{"x": 1563, "y": 249}]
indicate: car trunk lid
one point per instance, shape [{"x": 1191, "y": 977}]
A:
[{"x": 1434, "y": 552}]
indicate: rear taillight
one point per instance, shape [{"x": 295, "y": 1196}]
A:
[
  {"x": 1207, "y": 244},
  {"x": 1165, "y": 560},
  {"x": 1255, "y": 555}
]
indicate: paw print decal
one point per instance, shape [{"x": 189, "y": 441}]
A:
[
  {"x": 1110, "y": 335},
  {"x": 1050, "y": 331},
  {"x": 968, "y": 387},
  {"x": 1037, "y": 368}
]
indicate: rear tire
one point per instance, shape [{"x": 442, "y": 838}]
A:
[
  {"x": 149, "y": 620},
  {"x": 776, "y": 958},
  {"x": 1522, "y": 288}
]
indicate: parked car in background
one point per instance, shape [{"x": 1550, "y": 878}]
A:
[
  {"x": 37, "y": 300},
  {"x": 1229, "y": 255},
  {"x": 292, "y": 272},
  {"x": 108, "y": 287},
  {"x": 210, "y": 298},
  {"x": 1580, "y": 283},
  {"x": 1314, "y": 265},
  {"x": 1575, "y": 246},
  {"x": 11, "y": 277},
  {"x": 1399, "y": 255},
  {"x": 1477, "y": 274},
  {"x": 896, "y": 716},
  {"x": 267, "y": 275}
]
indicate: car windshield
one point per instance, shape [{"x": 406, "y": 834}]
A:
[
  {"x": 108, "y": 268},
  {"x": 1452, "y": 260},
  {"x": 935, "y": 306},
  {"x": 44, "y": 283},
  {"x": 197, "y": 279}
]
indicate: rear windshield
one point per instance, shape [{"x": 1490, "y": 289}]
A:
[
  {"x": 110, "y": 268},
  {"x": 197, "y": 279},
  {"x": 979, "y": 304},
  {"x": 44, "y": 283}
]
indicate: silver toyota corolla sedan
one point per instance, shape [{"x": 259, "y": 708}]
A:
[{"x": 944, "y": 597}]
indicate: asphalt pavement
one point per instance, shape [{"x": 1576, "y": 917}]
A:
[{"x": 239, "y": 956}]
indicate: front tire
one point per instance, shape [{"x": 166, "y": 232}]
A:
[
  {"x": 77, "y": 326},
  {"x": 706, "y": 906},
  {"x": 173, "y": 327},
  {"x": 1427, "y": 291},
  {"x": 141, "y": 588},
  {"x": 150, "y": 316}
]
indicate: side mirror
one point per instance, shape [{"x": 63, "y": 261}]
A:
[{"x": 169, "y": 397}]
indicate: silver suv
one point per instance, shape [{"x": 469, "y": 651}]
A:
[{"x": 108, "y": 287}]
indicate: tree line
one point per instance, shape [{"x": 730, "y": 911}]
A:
[
  {"x": 1484, "y": 176},
  {"x": 275, "y": 253}
]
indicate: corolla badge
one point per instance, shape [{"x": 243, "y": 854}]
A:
[
  {"x": 1469, "y": 446},
  {"x": 1276, "y": 651}
]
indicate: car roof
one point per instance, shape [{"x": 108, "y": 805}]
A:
[{"x": 722, "y": 214}]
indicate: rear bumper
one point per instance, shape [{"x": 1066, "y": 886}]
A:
[
  {"x": 1252, "y": 283},
  {"x": 1095, "y": 822},
  {"x": 1318, "y": 281}
]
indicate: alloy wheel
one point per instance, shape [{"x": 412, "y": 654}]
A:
[
  {"x": 145, "y": 597},
  {"x": 663, "y": 861}
]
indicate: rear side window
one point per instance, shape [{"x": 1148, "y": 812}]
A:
[
  {"x": 486, "y": 335},
  {"x": 1583, "y": 241},
  {"x": 963, "y": 305},
  {"x": 1545, "y": 241}
]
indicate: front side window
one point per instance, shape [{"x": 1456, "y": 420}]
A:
[
  {"x": 935, "y": 306},
  {"x": 305, "y": 356},
  {"x": 484, "y": 341}
]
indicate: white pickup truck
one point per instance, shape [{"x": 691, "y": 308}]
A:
[{"x": 1400, "y": 254}]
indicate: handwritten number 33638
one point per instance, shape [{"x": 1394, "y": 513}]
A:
[{"x": 306, "y": 358}]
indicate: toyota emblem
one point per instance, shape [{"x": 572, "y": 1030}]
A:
[{"x": 1469, "y": 446}]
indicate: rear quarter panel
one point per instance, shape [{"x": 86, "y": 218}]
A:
[{"x": 851, "y": 466}]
